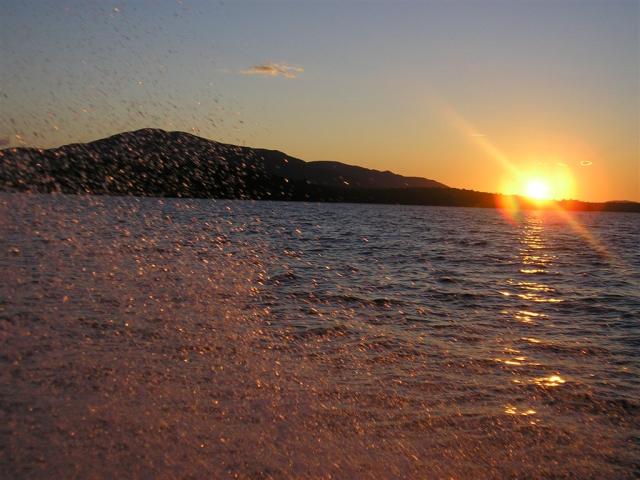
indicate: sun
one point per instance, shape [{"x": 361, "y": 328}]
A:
[{"x": 537, "y": 189}]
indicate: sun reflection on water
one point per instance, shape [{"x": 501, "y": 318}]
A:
[
  {"x": 513, "y": 410},
  {"x": 550, "y": 381},
  {"x": 525, "y": 316},
  {"x": 531, "y": 340},
  {"x": 530, "y": 289},
  {"x": 535, "y": 260},
  {"x": 536, "y": 287}
]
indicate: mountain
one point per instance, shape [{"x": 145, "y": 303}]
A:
[
  {"x": 158, "y": 163},
  {"x": 153, "y": 162}
]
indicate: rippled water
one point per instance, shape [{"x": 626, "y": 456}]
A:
[{"x": 227, "y": 339}]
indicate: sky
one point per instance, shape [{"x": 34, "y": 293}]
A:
[{"x": 480, "y": 95}]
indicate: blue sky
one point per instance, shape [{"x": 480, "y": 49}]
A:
[{"x": 405, "y": 86}]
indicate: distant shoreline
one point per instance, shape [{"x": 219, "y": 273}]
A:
[{"x": 574, "y": 206}]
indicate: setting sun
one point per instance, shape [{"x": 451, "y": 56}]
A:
[
  {"x": 537, "y": 189},
  {"x": 540, "y": 183}
]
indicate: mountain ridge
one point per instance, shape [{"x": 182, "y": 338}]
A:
[{"x": 160, "y": 143}]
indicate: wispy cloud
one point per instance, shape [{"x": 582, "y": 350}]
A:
[{"x": 273, "y": 70}]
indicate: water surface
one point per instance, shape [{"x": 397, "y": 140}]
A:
[{"x": 199, "y": 338}]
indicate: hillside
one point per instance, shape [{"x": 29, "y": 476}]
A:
[{"x": 158, "y": 163}]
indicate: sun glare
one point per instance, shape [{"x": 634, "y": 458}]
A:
[
  {"x": 537, "y": 189},
  {"x": 541, "y": 185}
]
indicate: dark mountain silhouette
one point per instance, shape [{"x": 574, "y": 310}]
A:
[{"x": 153, "y": 162}]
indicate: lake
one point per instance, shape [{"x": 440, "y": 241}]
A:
[{"x": 164, "y": 338}]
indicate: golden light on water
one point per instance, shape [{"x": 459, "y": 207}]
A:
[
  {"x": 525, "y": 316},
  {"x": 550, "y": 381},
  {"x": 531, "y": 340},
  {"x": 513, "y": 410}
]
